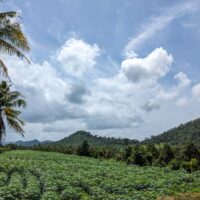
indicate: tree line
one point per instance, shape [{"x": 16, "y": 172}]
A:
[{"x": 163, "y": 155}]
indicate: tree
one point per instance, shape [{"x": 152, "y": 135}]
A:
[
  {"x": 83, "y": 150},
  {"x": 153, "y": 150},
  {"x": 9, "y": 116},
  {"x": 191, "y": 151},
  {"x": 167, "y": 154},
  {"x": 12, "y": 39},
  {"x": 127, "y": 152},
  {"x": 139, "y": 156}
]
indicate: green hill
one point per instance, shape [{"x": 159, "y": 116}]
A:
[
  {"x": 78, "y": 137},
  {"x": 29, "y": 143},
  {"x": 183, "y": 134}
]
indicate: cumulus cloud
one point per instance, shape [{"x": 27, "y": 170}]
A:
[
  {"x": 58, "y": 102},
  {"x": 77, "y": 56},
  {"x": 77, "y": 93},
  {"x": 181, "y": 102},
  {"x": 151, "y": 105},
  {"x": 152, "y": 67},
  {"x": 196, "y": 91},
  {"x": 182, "y": 79},
  {"x": 173, "y": 92},
  {"x": 45, "y": 92}
]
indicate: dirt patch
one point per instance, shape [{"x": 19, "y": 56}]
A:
[{"x": 185, "y": 196}]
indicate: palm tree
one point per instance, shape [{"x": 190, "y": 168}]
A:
[
  {"x": 9, "y": 116},
  {"x": 12, "y": 39}
]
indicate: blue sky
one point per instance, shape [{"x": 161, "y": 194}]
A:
[{"x": 116, "y": 68}]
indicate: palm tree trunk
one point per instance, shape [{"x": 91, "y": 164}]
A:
[{"x": 2, "y": 127}]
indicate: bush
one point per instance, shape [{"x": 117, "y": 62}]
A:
[
  {"x": 175, "y": 164},
  {"x": 194, "y": 165},
  {"x": 3, "y": 149},
  {"x": 186, "y": 166}
]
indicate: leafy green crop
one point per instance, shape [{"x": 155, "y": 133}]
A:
[{"x": 33, "y": 175}]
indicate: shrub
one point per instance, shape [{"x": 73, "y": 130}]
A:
[
  {"x": 194, "y": 165},
  {"x": 175, "y": 164}
]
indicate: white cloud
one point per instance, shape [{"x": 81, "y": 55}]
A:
[
  {"x": 158, "y": 23},
  {"x": 182, "y": 79},
  {"x": 181, "y": 102},
  {"x": 45, "y": 92},
  {"x": 152, "y": 67},
  {"x": 173, "y": 92},
  {"x": 100, "y": 104},
  {"x": 196, "y": 91},
  {"x": 77, "y": 56},
  {"x": 167, "y": 95}
]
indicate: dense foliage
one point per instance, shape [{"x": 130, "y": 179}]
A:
[
  {"x": 176, "y": 157},
  {"x": 183, "y": 134},
  {"x": 40, "y": 175},
  {"x": 78, "y": 137}
]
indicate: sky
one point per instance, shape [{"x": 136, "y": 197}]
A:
[{"x": 119, "y": 68}]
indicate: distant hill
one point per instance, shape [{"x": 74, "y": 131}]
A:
[
  {"x": 188, "y": 132},
  {"x": 185, "y": 133},
  {"x": 78, "y": 137},
  {"x": 27, "y": 143}
]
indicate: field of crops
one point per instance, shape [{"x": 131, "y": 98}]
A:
[{"x": 35, "y": 175}]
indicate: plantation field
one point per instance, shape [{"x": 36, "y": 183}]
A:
[{"x": 36, "y": 175}]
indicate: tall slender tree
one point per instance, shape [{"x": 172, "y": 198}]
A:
[
  {"x": 9, "y": 115},
  {"x": 12, "y": 39},
  {"x": 12, "y": 42}
]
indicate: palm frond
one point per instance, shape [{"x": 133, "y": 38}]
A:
[
  {"x": 3, "y": 69},
  {"x": 9, "y": 112},
  {"x": 13, "y": 34},
  {"x": 8, "y": 48},
  {"x": 15, "y": 124},
  {"x": 10, "y": 14},
  {"x": 13, "y": 121},
  {"x": 14, "y": 99},
  {"x": 19, "y": 103}
]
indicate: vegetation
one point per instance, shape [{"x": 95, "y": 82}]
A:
[
  {"x": 12, "y": 39},
  {"x": 145, "y": 170},
  {"x": 183, "y": 134},
  {"x": 39, "y": 175},
  {"x": 78, "y": 137},
  {"x": 9, "y": 101},
  {"x": 12, "y": 42},
  {"x": 175, "y": 157}
]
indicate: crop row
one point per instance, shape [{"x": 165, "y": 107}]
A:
[{"x": 38, "y": 175}]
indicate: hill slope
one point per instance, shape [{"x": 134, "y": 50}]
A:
[
  {"x": 29, "y": 143},
  {"x": 188, "y": 132},
  {"x": 78, "y": 137}
]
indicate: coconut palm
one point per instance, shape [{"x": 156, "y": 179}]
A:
[
  {"x": 9, "y": 115},
  {"x": 12, "y": 39}
]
